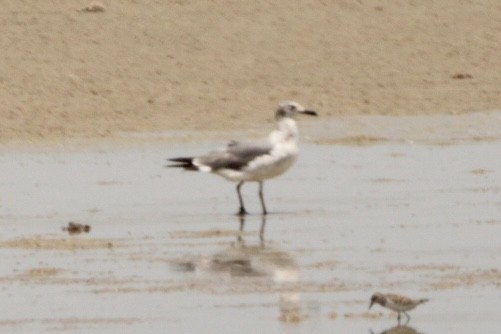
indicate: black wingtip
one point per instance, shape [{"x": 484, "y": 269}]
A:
[
  {"x": 185, "y": 163},
  {"x": 183, "y": 160}
]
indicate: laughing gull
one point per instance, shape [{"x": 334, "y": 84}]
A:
[{"x": 253, "y": 161}]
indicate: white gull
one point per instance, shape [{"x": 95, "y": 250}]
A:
[{"x": 254, "y": 161}]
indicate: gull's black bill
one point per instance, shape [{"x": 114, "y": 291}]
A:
[{"x": 310, "y": 112}]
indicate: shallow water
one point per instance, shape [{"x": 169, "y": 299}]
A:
[{"x": 165, "y": 253}]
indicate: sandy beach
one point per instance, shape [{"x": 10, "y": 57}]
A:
[
  {"x": 396, "y": 189},
  {"x": 141, "y": 66}
]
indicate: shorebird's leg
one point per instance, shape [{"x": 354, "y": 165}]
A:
[
  {"x": 262, "y": 198},
  {"x": 398, "y": 318},
  {"x": 408, "y": 317},
  {"x": 240, "y": 200}
]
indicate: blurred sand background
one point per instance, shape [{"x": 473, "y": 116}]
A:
[{"x": 155, "y": 65}]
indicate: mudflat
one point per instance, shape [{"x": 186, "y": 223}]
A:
[{"x": 399, "y": 204}]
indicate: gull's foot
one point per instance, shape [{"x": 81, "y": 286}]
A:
[{"x": 242, "y": 212}]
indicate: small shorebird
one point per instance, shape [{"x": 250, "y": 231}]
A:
[
  {"x": 398, "y": 303},
  {"x": 254, "y": 161}
]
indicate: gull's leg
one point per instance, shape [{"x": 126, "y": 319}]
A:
[
  {"x": 262, "y": 198},
  {"x": 242, "y": 209}
]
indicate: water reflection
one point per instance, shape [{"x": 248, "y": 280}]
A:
[
  {"x": 273, "y": 270},
  {"x": 399, "y": 330},
  {"x": 261, "y": 229}
]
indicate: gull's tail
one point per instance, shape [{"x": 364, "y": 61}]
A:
[{"x": 186, "y": 163}]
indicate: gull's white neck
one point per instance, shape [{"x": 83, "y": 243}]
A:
[{"x": 286, "y": 131}]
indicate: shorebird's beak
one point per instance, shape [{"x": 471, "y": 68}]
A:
[
  {"x": 372, "y": 303},
  {"x": 309, "y": 112}
]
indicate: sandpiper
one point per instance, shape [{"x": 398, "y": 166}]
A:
[{"x": 398, "y": 303}]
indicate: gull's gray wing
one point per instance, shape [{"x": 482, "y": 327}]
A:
[{"x": 236, "y": 155}]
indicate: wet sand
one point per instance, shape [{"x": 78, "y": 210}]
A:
[{"x": 414, "y": 211}]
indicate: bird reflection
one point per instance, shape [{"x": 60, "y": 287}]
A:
[
  {"x": 261, "y": 229},
  {"x": 257, "y": 262},
  {"x": 399, "y": 330}
]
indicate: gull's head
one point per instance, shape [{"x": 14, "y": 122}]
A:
[
  {"x": 291, "y": 108},
  {"x": 377, "y": 298}
]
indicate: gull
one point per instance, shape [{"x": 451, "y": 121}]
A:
[
  {"x": 397, "y": 303},
  {"x": 254, "y": 161}
]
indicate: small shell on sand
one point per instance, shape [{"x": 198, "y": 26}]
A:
[
  {"x": 93, "y": 7},
  {"x": 74, "y": 228}
]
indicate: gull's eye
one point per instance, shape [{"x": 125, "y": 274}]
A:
[
  {"x": 281, "y": 113},
  {"x": 292, "y": 107}
]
